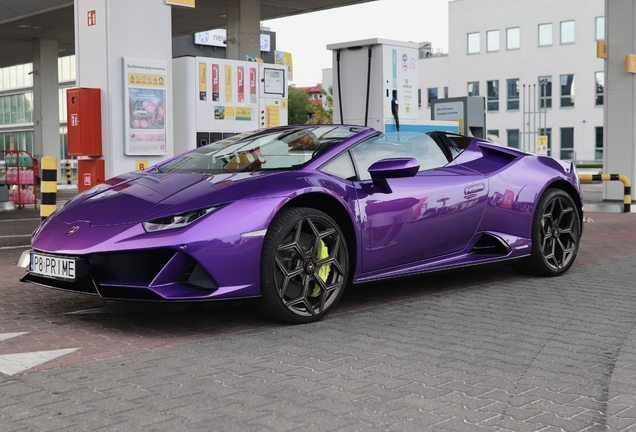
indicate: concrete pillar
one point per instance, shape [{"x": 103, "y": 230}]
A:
[
  {"x": 106, "y": 32},
  {"x": 619, "y": 133},
  {"x": 243, "y": 29},
  {"x": 46, "y": 111}
]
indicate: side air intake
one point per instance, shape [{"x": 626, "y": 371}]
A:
[{"x": 489, "y": 244}]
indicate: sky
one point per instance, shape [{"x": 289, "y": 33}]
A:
[{"x": 307, "y": 36}]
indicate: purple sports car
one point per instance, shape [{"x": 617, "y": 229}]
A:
[{"x": 289, "y": 216}]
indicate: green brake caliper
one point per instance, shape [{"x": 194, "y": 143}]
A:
[{"x": 323, "y": 271}]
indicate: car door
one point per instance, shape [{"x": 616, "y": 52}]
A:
[{"x": 431, "y": 214}]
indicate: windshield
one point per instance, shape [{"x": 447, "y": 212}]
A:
[{"x": 268, "y": 149}]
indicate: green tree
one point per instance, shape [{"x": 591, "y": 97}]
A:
[
  {"x": 299, "y": 108},
  {"x": 323, "y": 113}
]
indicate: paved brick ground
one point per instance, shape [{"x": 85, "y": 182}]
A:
[{"x": 477, "y": 350}]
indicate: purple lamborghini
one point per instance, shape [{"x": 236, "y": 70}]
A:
[{"x": 289, "y": 216}]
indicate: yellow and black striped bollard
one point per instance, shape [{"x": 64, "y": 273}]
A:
[
  {"x": 627, "y": 186},
  {"x": 48, "y": 186},
  {"x": 67, "y": 165}
]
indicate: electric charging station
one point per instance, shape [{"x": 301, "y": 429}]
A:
[
  {"x": 216, "y": 98},
  {"x": 375, "y": 83},
  {"x": 468, "y": 111}
]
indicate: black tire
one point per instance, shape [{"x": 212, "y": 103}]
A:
[
  {"x": 304, "y": 266},
  {"x": 556, "y": 232}
]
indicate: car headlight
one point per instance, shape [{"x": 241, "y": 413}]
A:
[{"x": 177, "y": 221}]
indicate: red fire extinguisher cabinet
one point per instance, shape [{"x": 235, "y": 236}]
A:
[{"x": 83, "y": 106}]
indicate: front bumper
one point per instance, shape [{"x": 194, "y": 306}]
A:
[{"x": 153, "y": 275}]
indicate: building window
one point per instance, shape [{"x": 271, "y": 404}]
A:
[
  {"x": 600, "y": 87},
  {"x": 432, "y": 94},
  {"x": 567, "y": 91},
  {"x": 16, "y": 109},
  {"x": 446, "y": 92},
  {"x": 545, "y": 91},
  {"x": 64, "y": 142},
  {"x": 419, "y": 98},
  {"x": 600, "y": 28},
  {"x": 598, "y": 146},
  {"x": 18, "y": 76},
  {"x": 513, "y": 38},
  {"x": 493, "y": 132},
  {"x": 493, "y": 95},
  {"x": 473, "y": 88},
  {"x": 19, "y": 140},
  {"x": 492, "y": 40},
  {"x": 567, "y": 143},
  {"x": 513, "y": 137},
  {"x": 567, "y": 32},
  {"x": 513, "y": 93},
  {"x": 545, "y": 34},
  {"x": 66, "y": 69},
  {"x": 548, "y": 133},
  {"x": 473, "y": 43}
]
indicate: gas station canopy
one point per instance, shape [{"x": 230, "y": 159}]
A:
[{"x": 23, "y": 21}]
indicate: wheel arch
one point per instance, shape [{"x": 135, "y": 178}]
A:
[
  {"x": 336, "y": 210},
  {"x": 570, "y": 190}
]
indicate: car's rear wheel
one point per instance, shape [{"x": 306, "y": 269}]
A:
[
  {"x": 556, "y": 231},
  {"x": 304, "y": 266}
]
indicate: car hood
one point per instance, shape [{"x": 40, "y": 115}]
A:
[{"x": 137, "y": 197}]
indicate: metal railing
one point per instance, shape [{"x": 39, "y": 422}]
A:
[{"x": 627, "y": 198}]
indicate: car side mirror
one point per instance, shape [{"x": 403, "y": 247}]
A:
[{"x": 392, "y": 168}]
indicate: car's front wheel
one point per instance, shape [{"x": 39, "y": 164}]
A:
[
  {"x": 304, "y": 266},
  {"x": 556, "y": 231}
]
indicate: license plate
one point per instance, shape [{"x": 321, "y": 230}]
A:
[{"x": 53, "y": 266}]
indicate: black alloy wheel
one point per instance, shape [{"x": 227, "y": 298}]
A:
[
  {"x": 556, "y": 232},
  {"x": 304, "y": 266}
]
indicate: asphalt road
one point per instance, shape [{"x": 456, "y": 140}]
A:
[{"x": 481, "y": 349}]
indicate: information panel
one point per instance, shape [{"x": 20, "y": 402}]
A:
[{"x": 145, "y": 106}]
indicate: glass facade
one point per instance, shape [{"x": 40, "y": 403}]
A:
[
  {"x": 16, "y": 77},
  {"x": 16, "y": 105},
  {"x": 17, "y": 140},
  {"x": 16, "y": 109}
]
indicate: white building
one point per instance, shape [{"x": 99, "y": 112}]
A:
[{"x": 501, "y": 49}]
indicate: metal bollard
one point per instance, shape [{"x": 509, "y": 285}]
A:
[
  {"x": 48, "y": 186},
  {"x": 627, "y": 191}
]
